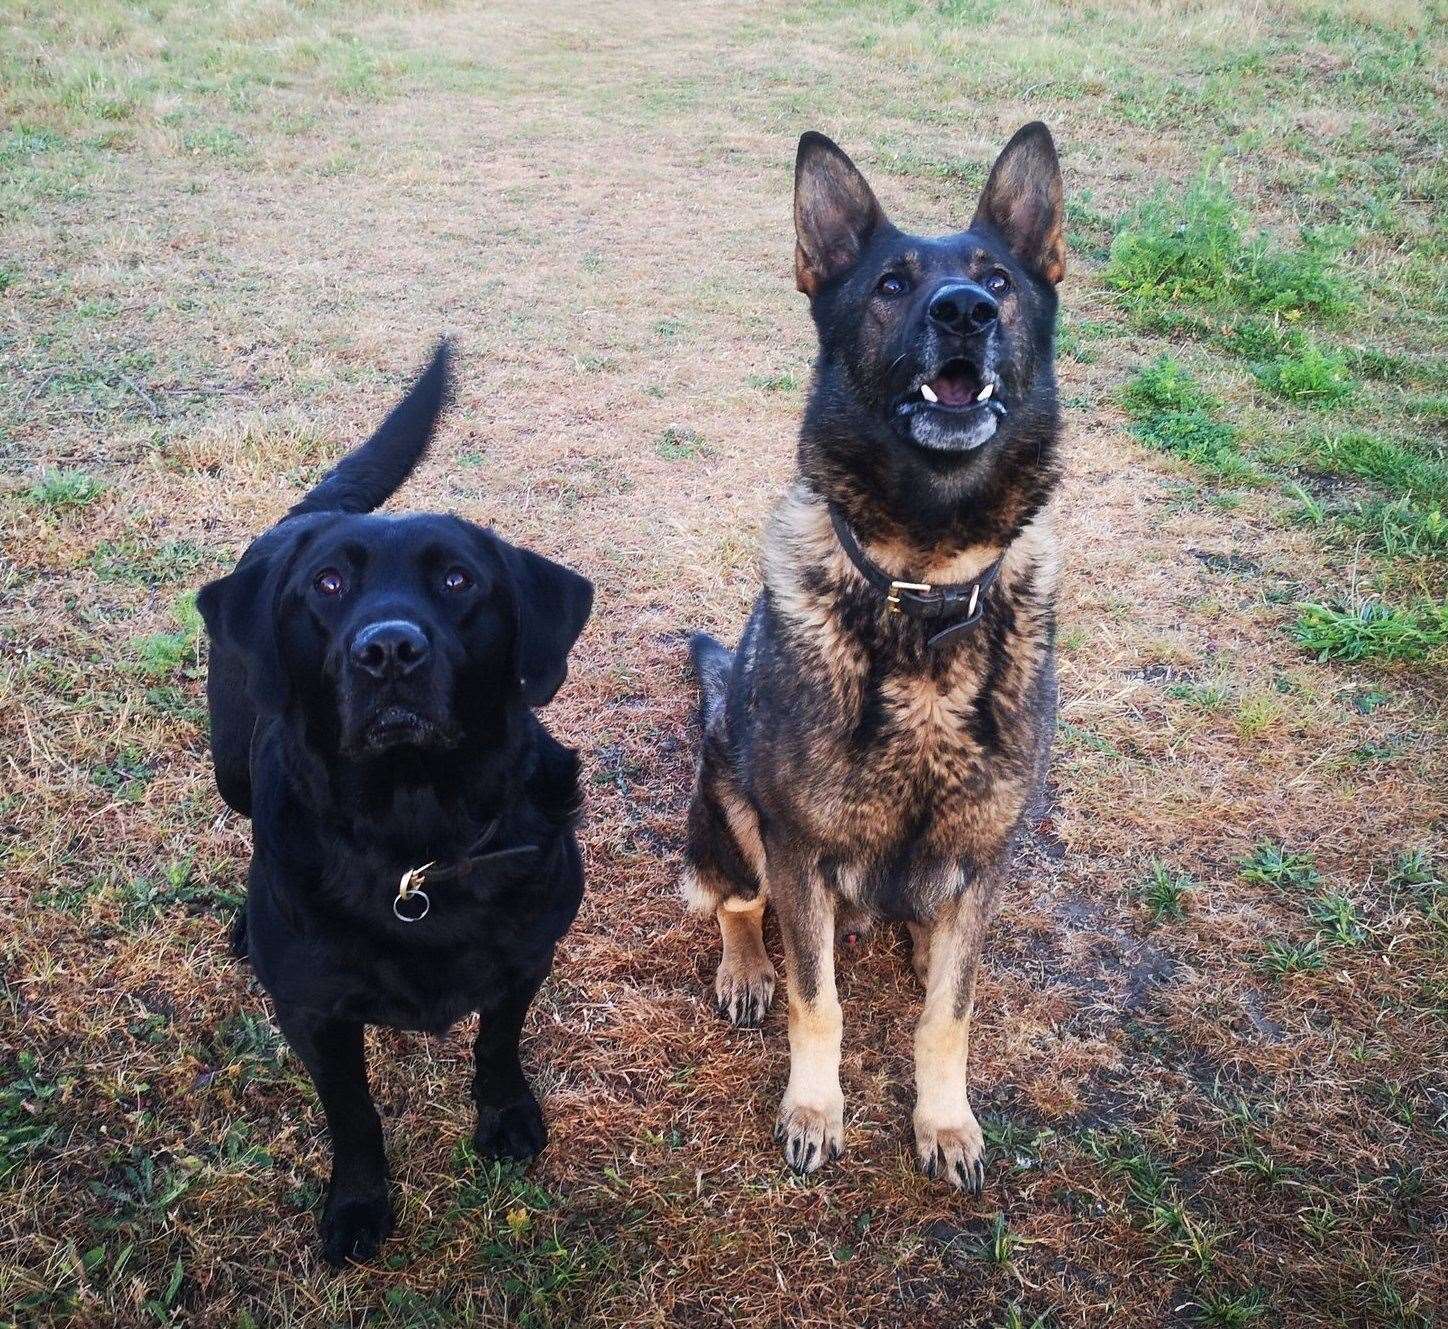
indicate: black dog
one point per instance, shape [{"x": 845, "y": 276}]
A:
[
  {"x": 414, "y": 857},
  {"x": 876, "y": 743}
]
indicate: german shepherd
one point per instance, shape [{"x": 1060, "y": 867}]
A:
[{"x": 880, "y": 737}]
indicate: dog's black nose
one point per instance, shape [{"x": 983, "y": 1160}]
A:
[
  {"x": 390, "y": 649},
  {"x": 963, "y": 308}
]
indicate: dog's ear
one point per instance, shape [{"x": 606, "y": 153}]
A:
[
  {"x": 1024, "y": 202},
  {"x": 553, "y": 605},
  {"x": 835, "y": 212},
  {"x": 240, "y": 612}
]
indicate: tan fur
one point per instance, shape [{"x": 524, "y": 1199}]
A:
[
  {"x": 976, "y": 803},
  {"x": 948, "y": 1140},
  {"x": 812, "y": 1112},
  {"x": 744, "y": 985}
]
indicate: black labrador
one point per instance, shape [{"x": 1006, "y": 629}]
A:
[{"x": 371, "y": 689}]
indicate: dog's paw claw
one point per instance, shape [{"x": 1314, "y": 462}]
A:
[
  {"x": 742, "y": 997},
  {"x": 955, "y": 1153},
  {"x": 354, "y": 1228},
  {"x": 514, "y": 1132},
  {"x": 809, "y": 1136}
]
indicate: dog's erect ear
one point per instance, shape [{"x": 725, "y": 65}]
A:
[
  {"x": 835, "y": 212},
  {"x": 553, "y": 605},
  {"x": 240, "y": 615},
  {"x": 1024, "y": 202}
]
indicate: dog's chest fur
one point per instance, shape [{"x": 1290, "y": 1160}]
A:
[{"x": 900, "y": 761}]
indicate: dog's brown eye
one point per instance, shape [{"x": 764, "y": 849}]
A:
[
  {"x": 329, "y": 582},
  {"x": 998, "y": 283},
  {"x": 891, "y": 284},
  {"x": 457, "y": 580}
]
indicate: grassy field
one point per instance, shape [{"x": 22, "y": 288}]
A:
[{"x": 1211, "y": 1054}]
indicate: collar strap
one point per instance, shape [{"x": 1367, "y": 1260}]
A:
[
  {"x": 412, "y": 904},
  {"x": 962, "y": 601}
]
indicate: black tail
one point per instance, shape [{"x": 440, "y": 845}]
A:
[
  {"x": 367, "y": 476},
  {"x": 713, "y": 662}
]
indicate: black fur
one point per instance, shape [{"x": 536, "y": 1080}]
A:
[{"x": 354, "y": 772}]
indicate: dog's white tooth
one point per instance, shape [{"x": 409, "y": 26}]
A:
[
  {"x": 986, "y": 391},
  {"x": 927, "y": 393}
]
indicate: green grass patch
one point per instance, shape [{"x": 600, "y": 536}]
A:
[
  {"x": 162, "y": 653},
  {"x": 26, "y": 1121},
  {"x": 1401, "y": 529},
  {"x": 1393, "y": 465},
  {"x": 1372, "y": 630},
  {"x": 1196, "y": 248},
  {"x": 1339, "y": 920},
  {"x": 678, "y": 444},
  {"x": 147, "y": 565},
  {"x": 1174, "y": 414},
  {"x": 1308, "y": 375},
  {"x": 61, "y": 491}
]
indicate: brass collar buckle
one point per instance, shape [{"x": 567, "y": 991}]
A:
[
  {"x": 896, "y": 587},
  {"x": 411, "y": 897}
]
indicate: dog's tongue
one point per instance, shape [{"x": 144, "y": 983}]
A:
[{"x": 954, "y": 389}]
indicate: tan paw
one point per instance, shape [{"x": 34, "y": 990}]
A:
[
  {"x": 811, "y": 1136},
  {"x": 954, "y": 1151},
  {"x": 743, "y": 992}
]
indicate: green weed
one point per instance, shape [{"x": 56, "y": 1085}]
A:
[
  {"x": 1342, "y": 925},
  {"x": 163, "y": 653},
  {"x": 1372, "y": 630},
  {"x": 63, "y": 490},
  {"x": 1166, "y": 385},
  {"x": 676, "y": 444},
  {"x": 1310, "y": 376},
  {"x": 1227, "y": 1310},
  {"x": 1016, "y": 1319},
  {"x": 1164, "y": 892},
  {"x": 1282, "y": 958},
  {"x": 133, "y": 561},
  {"x": 784, "y": 381},
  {"x": 1273, "y": 865},
  {"x": 1400, "y": 528},
  {"x": 1173, "y": 413},
  {"x": 26, "y": 1125},
  {"x": 1394, "y": 465}
]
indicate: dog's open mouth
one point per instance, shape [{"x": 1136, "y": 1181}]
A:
[{"x": 956, "y": 409}]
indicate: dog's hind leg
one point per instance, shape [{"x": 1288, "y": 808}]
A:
[
  {"x": 811, "y": 1127},
  {"x": 726, "y": 874},
  {"x": 948, "y": 1140},
  {"x": 744, "y": 985},
  {"x": 920, "y": 951}
]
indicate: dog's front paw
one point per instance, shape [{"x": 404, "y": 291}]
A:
[
  {"x": 513, "y": 1132},
  {"x": 354, "y": 1226},
  {"x": 744, "y": 991},
  {"x": 811, "y": 1135},
  {"x": 952, "y": 1149}
]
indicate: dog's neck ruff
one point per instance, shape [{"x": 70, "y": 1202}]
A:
[
  {"x": 412, "y": 904},
  {"x": 964, "y": 602}
]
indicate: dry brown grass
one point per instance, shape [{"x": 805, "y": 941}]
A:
[{"x": 217, "y": 269}]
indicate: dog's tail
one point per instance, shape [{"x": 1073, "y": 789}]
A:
[
  {"x": 713, "y": 663},
  {"x": 367, "y": 476}
]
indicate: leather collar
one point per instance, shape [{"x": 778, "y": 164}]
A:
[
  {"x": 962, "y": 602},
  {"x": 412, "y": 904}
]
